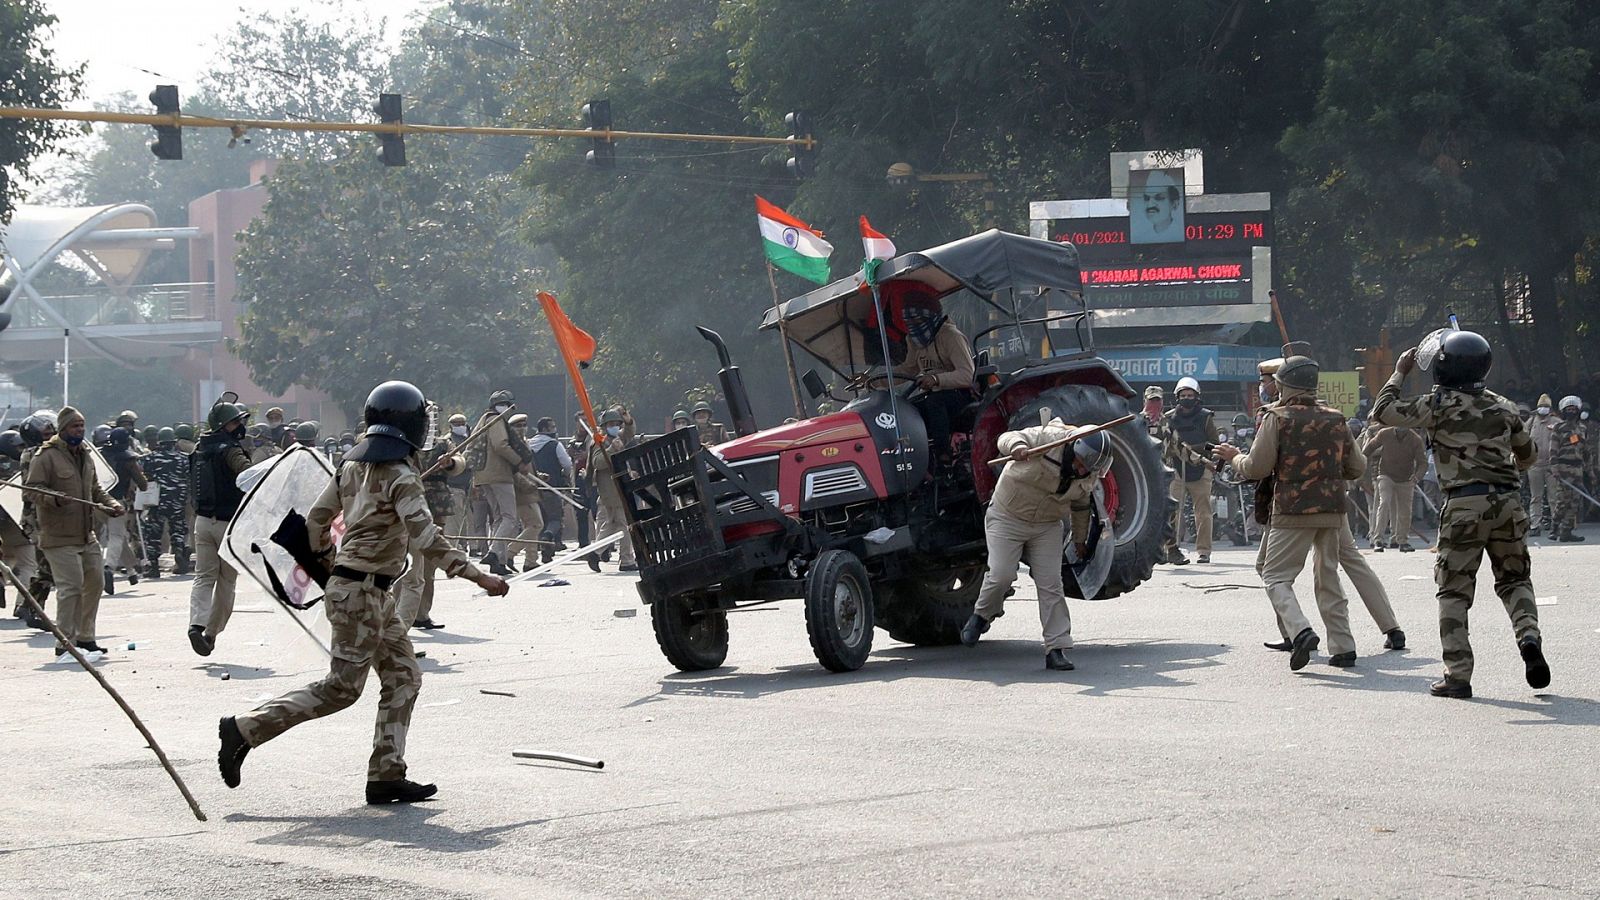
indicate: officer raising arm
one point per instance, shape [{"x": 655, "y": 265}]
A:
[
  {"x": 381, "y": 497},
  {"x": 1479, "y": 446}
]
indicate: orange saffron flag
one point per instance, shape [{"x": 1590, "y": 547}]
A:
[{"x": 577, "y": 350}]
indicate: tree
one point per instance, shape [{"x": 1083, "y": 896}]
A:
[
  {"x": 30, "y": 75},
  {"x": 354, "y": 275}
]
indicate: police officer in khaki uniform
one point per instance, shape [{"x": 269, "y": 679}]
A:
[
  {"x": 528, "y": 513},
  {"x": 1479, "y": 445},
  {"x": 617, "y": 426},
  {"x": 1035, "y": 493},
  {"x": 385, "y": 512},
  {"x": 502, "y": 454},
  {"x": 1307, "y": 448},
  {"x": 711, "y": 433},
  {"x": 1188, "y": 429}
]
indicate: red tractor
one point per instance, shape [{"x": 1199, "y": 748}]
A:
[{"x": 845, "y": 510}]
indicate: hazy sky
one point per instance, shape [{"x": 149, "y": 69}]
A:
[{"x": 125, "y": 41}]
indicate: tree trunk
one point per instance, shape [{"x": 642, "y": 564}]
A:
[{"x": 1548, "y": 326}]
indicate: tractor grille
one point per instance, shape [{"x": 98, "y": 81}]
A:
[
  {"x": 745, "y": 504},
  {"x": 836, "y": 482}
]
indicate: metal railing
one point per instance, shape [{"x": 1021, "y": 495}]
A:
[{"x": 145, "y": 304}]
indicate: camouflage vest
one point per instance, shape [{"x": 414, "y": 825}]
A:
[
  {"x": 1310, "y": 470},
  {"x": 1566, "y": 445}
]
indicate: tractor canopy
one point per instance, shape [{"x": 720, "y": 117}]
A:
[{"x": 1014, "y": 275}]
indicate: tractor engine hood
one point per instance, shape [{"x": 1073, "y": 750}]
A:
[{"x": 829, "y": 429}]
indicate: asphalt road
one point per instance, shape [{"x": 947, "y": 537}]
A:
[{"x": 1180, "y": 758}]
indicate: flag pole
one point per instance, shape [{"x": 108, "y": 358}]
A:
[{"x": 788, "y": 349}]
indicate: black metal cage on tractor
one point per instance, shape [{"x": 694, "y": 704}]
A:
[{"x": 680, "y": 500}]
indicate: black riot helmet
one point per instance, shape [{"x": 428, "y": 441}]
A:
[
  {"x": 397, "y": 409},
  {"x": 1462, "y": 362},
  {"x": 12, "y": 444}
]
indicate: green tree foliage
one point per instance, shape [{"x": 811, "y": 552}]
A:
[
  {"x": 30, "y": 75},
  {"x": 354, "y": 275}
]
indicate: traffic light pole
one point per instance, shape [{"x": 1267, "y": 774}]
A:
[{"x": 399, "y": 128}]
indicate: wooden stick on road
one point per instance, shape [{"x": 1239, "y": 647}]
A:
[
  {"x": 1077, "y": 436},
  {"x": 27, "y": 597}
]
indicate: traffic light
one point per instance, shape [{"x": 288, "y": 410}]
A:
[
  {"x": 603, "y": 154},
  {"x": 391, "y": 147},
  {"x": 803, "y": 164},
  {"x": 169, "y": 138}
]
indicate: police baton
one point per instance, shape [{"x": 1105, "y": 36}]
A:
[
  {"x": 482, "y": 429},
  {"x": 1075, "y": 436},
  {"x": 109, "y": 510}
]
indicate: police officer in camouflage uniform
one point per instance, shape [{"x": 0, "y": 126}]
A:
[
  {"x": 1566, "y": 470},
  {"x": 385, "y": 512},
  {"x": 169, "y": 469},
  {"x": 1479, "y": 445}
]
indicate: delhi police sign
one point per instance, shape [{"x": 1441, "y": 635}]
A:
[{"x": 1201, "y": 362}]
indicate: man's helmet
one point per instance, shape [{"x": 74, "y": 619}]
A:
[
  {"x": 127, "y": 418},
  {"x": 185, "y": 431},
  {"x": 611, "y": 417},
  {"x": 37, "y": 428},
  {"x": 149, "y": 435},
  {"x": 259, "y": 429},
  {"x": 101, "y": 435},
  {"x": 1094, "y": 451},
  {"x": 1299, "y": 373},
  {"x": 457, "y": 419},
  {"x": 223, "y": 413},
  {"x": 1154, "y": 392},
  {"x": 1571, "y": 401},
  {"x": 275, "y": 411},
  {"x": 1463, "y": 362},
  {"x": 12, "y": 444},
  {"x": 305, "y": 432},
  {"x": 1240, "y": 420},
  {"x": 166, "y": 436},
  {"x": 119, "y": 438},
  {"x": 1187, "y": 384},
  {"x": 681, "y": 415},
  {"x": 499, "y": 397},
  {"x": 397, "y": 409},
  {"x": 702, "y": 406}
]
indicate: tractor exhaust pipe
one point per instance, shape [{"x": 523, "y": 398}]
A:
[{"x": 744, "y": 419}]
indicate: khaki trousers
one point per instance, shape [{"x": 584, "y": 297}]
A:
[
  {"x": 78, "y": 586},
  {"x": 1538, "y": 478},
  {"x": 532, "y": 525},
  {"x": 413, "y": 593},
  {"x": 1284, "y": 559},
  {"x": 1392, "y": 511},
  {"x": 211, "y": 596},
  {"x": 1368, "y": 587},
  {"x": 1010, "y": 541},
  {"x": 1200, "y": 493},
  {"x": 502, "y": 517},
  {"x": 611, "y": 519}
]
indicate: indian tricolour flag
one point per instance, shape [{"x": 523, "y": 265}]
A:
[
  {"x": 874, "y": 243},
  {"x": 791, "y": 244}
]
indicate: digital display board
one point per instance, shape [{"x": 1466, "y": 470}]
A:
[
  {"x": 1169, "y": 283},
  {"x": 1205, "y": 234}
]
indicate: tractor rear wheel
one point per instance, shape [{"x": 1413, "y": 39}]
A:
[
  {"x": 1142, "y": 517},
  {"x": 929, "y": 610},
  {"x": 691, "y": 631}
]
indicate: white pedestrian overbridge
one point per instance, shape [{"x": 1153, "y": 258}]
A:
[{"x": 110, "y": 315}]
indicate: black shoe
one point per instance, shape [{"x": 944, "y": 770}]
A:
[
  {"x": 546, "y": 558},
  {"x": 198, "y": 640},
  {"x": 1343, "y": 660},
  {"x": 490, "y": 559},
  {"x": 1532, "y": 532},
  {"x": 1394, "y": 639},
  {"x": 427, "y": 624},
  {"x": 628, "y": 567},
  {"x": 1203, "y": 558},
  {"x": 605, "y": 555},
  {"x": 232, "y": 754},
  {"x": 528, "y": 565},
  {"x": 498, "y": 569},
  {"x": 133, "y": 577},
  {"x": 1056, "y": 660},
  {"x": 398, "y": 791},
  {"x": 1538, "y": 671},
  {"x": 1304, "y": 642},
  {"x": 1449, "y": 687},
  {"x": 975, "y": 627},
  {"x": 1406, "y": 548},
  {"x": 110, "y": 585},
  {"x": 92, "y": 647},
  {"x": 1285, "y": 645},
  {"x": 152, "y": 572},
  {"x": 1177, "y": 558},
  {"x": 593, "y": 561},
  {"x": 181, "y": 567},
  {"x": 1377, "y": 546}
]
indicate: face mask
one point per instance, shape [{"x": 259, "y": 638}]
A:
[
  {"x": 613, "y": 430},
  {"x": 501, "y": 407},
  {"x": 72, "y": 441},
  {"x": 1543, "y": 410},
  {"x": 1264, "y": 394},
  {"x": 458, "y": 430},
  {"x": 1569, "y": 414},
  {"x": 1585, "y": 415},
  {"x": 1189, "y": 403},
  {"x": 1152, "y": 408},
  {"x": 1246, "y": 432}
]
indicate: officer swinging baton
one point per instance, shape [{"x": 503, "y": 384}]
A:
[
  {"x": 59, "y": 496},
  {"x": 482, "y": 429},
  {"x": 1076, "y": 436}
]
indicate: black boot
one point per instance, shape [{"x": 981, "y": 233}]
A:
[
  {"x": 1537, "y": 670},
  {"x": 593, "y": 561},
  {"x": 110, "y": 584},
  {"x": 232, "y": 754},
  {"x": 1394, "y": 639},
  {"x": 152, "y": 572},
  {"x": 1175, "y": 557},
  {"x": 1304, "y": 642},
  {"x": 398, "y": 791},
  {"x": 974, "y": 628},
  {"x": 198, "y": 640},
  {"x": 427, "y": 624},
  {"x": 1056, "y": 660},
  {"x": 1449, "y": 687},
  {"x": 92, "y": 647},
  {"x": 1343, "y": 660}
]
